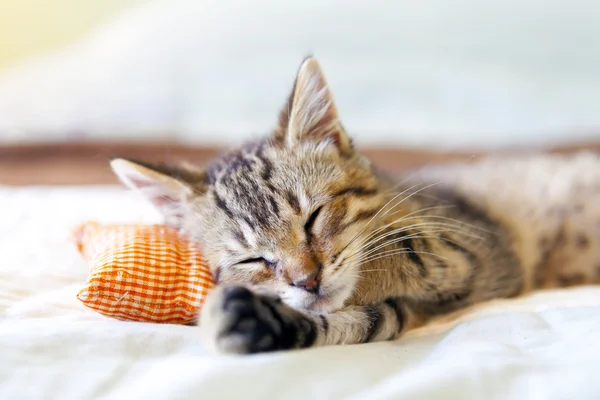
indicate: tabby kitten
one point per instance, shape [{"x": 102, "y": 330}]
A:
[{"x": 311, "y": 246}]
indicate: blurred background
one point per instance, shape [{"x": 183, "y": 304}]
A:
[{"x": 81, "y": 80}]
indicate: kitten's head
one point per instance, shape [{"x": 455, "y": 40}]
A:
[{"x": 279, "y": 214}]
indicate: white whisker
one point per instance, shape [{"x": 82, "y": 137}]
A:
[
  {"x": 390, "y": 242},
  {"x": 397, "y": 252},
  {"x": 404, "y": 218},
  {"x": 372, "y": 270},
  {"x": 447, "y": 228},
  {"x": 384, "y": 206}
]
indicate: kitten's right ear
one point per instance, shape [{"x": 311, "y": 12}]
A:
[
  {"x": 310, "y": 115},
  {"x": 167, "y": 187}
]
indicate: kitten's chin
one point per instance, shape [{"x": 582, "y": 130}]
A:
[
  {"x": 329, "y": 303},
  {"x": 330, "y": 300}
]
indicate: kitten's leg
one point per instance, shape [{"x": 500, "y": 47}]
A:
[{"x": 236, "y": 320}]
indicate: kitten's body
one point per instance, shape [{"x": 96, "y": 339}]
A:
[
  {"x": 534, "y": 223},
  {"x": 312, "y": 246},
  {"x": 550, "y": 206}
]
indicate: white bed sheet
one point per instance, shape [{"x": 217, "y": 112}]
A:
[{"x": 51, "y": 347}]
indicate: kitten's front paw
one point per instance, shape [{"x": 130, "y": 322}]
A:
[{"x": 236, "y": 320}]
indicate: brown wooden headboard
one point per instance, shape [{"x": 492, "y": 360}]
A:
[{"x": 87, "y": 163}]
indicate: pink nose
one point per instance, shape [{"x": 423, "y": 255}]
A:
[{"x": 310, "y": 282}]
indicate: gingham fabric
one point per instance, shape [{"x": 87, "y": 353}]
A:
[{"x": 151, "y": 273}]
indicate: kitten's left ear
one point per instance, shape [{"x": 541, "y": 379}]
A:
[
  {"x": 166, "y": 187},
  {"x": 311, "y": 114}
]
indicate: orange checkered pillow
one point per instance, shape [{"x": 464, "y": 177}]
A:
[{"x": 151, "y": 273}]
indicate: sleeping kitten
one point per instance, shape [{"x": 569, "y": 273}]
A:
[{"x": 311, "y": 246}]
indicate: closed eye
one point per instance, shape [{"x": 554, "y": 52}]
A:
[
  {"x": 253, "y": 260},
  {"x": 257, "y": 260},
  {"x": 311, "y": 220}
]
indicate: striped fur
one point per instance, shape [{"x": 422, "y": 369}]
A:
[{"x": 312, "y": 246}]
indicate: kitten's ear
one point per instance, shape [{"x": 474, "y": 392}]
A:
[
  {"x": 311, "y": 114},
  {"x": 167, "y": 187}
]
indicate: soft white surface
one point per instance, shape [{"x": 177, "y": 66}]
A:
[
  {"x": 434, "y": 72},
  {"x": 544, "y": 346}
]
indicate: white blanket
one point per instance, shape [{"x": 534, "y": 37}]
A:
[{"x": 544, "y": 346}]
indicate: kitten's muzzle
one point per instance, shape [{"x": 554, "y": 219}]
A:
[{"x": 310, "y": 281}]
